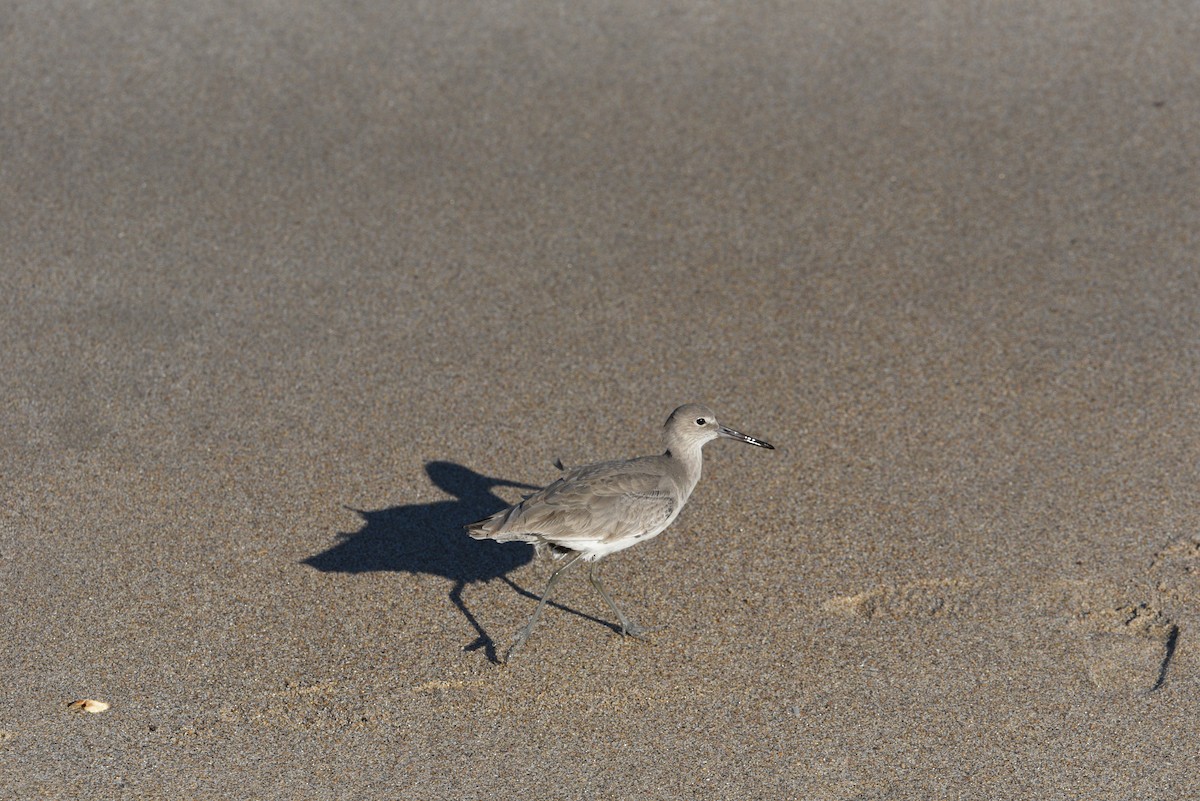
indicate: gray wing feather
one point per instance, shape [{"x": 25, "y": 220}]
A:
[{"x": 599, "y": 502}]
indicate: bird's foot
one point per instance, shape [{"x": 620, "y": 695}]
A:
[
  {"x": 630, "y": 628},
  {"x": 512, "y": 650}
]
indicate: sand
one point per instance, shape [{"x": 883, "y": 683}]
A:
[{"x": 291, "y": 291}]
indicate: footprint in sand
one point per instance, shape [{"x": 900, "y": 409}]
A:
[
  {"x": 1123, "y": 644},
  {"x": 1128, "y": 647},
  {"x": 1119, "y": 635},
  {"x": 925, "y": 598}
]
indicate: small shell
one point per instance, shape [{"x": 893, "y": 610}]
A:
[{"x": 88, "y": 705}]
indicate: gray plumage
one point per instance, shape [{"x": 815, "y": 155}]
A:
[{"x": 598, "y": 509}]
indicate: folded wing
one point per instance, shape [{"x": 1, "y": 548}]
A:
[{"x": 589, "y": 505}]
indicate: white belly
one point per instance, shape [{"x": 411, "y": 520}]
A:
[{"x": 598, "y": 549}]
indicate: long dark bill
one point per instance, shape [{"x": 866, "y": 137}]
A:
[{"x": 729, "y": 433}]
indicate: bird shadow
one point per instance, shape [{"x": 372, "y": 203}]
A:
[{"x": 429, "y": 538}]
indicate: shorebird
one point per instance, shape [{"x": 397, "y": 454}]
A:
[{"x": 599, "y": 509}]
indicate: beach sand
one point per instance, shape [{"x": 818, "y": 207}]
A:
[{"x": 292, "y": 291}]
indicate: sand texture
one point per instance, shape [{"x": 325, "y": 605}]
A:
[{"x": 291, "y": 291}]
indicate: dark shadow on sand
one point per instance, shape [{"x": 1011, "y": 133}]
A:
[{"x": 429, "y": 538}]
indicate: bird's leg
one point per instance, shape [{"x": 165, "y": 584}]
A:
[
  {"x": 628, "y": 625},
  {"x": 537, "y": 613}
]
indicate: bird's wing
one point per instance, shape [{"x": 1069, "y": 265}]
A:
[{"x": 597, "y": 503}]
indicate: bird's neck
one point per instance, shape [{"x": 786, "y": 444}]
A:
[{"x": 690, "y": 461}]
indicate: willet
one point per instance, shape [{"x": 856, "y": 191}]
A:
[{"x": 599, "y": 509}]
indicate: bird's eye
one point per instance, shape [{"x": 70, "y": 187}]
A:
[{"x": 700, "y": 421}]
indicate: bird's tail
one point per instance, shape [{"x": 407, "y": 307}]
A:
[
  {"x": 492, "y": 528},
  {"x": 482, "y": 529}
]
